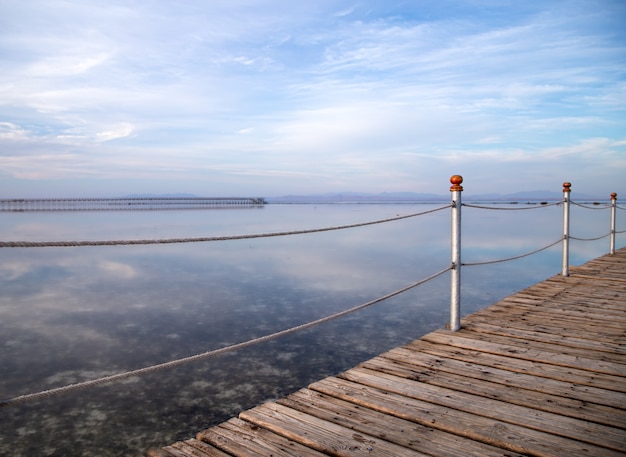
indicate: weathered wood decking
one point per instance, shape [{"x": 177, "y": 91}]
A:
[{"x": 540, "y": 373}]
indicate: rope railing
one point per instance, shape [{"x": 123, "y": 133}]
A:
[
  {"x": 454, "y": 267},
  {"x": 540, "y": 205},
  {"x": 590, "y": 239},
  {"x": 456, "y": 190},
  {"x": 498, "y": 208},
  {"x": 489, "y": 262},
  {"x": 205, "y": 355},
  {"x": 566, "y": 202},
  {"x": 39, "y": 244},
  {"x": 597, "y": 207}
]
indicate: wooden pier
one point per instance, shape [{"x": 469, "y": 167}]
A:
[
  {"x": 540, "y": 373},
  {"x": 125, "y": 203}
]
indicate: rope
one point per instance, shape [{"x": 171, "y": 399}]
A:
[
  {"x": 38, "y": 244},
  {"x": 512, "y": 209},
  {"x": 589, "y": 239},
  {"x": 183, "y": 361},
  {"x": 512, "y": 258},
  {"x": 590, "y": 207}
]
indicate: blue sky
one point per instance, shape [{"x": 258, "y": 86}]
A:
[{"x": 275, "y": 97}]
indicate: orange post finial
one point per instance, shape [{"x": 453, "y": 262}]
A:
[
  {"x": 566, "y": 186},
  {"x": 456, "y": 181},
  {"x": 613, "y": 196}
]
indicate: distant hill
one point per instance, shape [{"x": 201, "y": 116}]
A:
[
  {"x": 399, "y": 197},
  {"x": 533, "y": 195},
  {"x": 179, "y": 195},
  {"x": 409, "y": 197},
  {"x": 356, "y": 197}
]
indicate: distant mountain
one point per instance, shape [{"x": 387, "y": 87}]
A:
[
  {"x": 533, "y": 195},
  {"x": 408, "y": 197},
  {"x": 357, "y": 197},
  {"x": 399, "y": 197},
  {"x": 179, "y": 195}
]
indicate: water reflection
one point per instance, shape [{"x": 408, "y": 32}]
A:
[{"x": 71, "y": 314}]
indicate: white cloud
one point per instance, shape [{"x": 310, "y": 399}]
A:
[
  {"x": 119, "y": 131},
  {"x": 10, "y": 131},
  {"x": 58, "y": 66},
  {"x": 333, "y": 90},
  {"x": 118, "y": 270},
  {"x": 14, "y": 269}
]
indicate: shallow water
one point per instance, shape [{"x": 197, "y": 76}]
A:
[{"x": 72, "y": 314}]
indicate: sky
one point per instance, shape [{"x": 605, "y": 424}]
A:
[{"x": 275, "y": 97}]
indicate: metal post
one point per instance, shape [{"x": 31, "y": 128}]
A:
[
  {"x": 566, "y": 201},
  {"x": 455, "y": 286},
  {"x": 613, "y": 208}
]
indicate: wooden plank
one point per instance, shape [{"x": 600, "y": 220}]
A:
[
  {"x": 575, "y": 299},
  {"x": 555, "y": 327},
  {"x": 158, "y": 453},
  {"x": 195, "y": 448},
  {"x": 478, "y": 428},
  {"x": 396, "y": 430},
  {"x": 559, "y": 340},
  {"x": 571, "y": 315},
  {"x": 542, "y": 373},
  {"x": 563, "y": 285},
  {"x": 531, "y": 367},
  {"x": 602, "y": 314},
  {"x": 241, "y": 438},
  {"x": 546, "y": 324},
  {"x": 577, "y": 290},
  {"x": 326, "y": 437},
  {"x": 546, "y": 388},
  {"x": 522, "y": 342},
  {"x": 567, "y": 406},
  {"x": 536, "y": 319},
  {"x": 524, "y": 353},
  {"x": 572, "y": 296},
  {"x": 600, "y": 435},
  {"x": 572, "y": 293},
  {"x": 568, "y": 294},
  {"x": 592, "y": 279},
  {"x": 189, "y": 448}
]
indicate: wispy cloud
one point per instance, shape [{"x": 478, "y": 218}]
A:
[
  {"x": 116, "y": 132},
  {"x": 339, "y": 92}
]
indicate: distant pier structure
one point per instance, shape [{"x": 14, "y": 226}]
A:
[{"x": 126, "y": 203}]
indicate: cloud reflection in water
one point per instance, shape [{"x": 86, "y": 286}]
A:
[{"x": 71, "y": 314}]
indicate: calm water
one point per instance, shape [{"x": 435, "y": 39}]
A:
[{"x": 72, "y": 314}]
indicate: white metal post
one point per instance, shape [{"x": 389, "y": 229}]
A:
[
  {"x": 566, "y": 201},
  {"x": 613, "y": 208},
  {"x": 455, "y": 286}
]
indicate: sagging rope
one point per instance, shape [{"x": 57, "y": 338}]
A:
[
  {"x": 590, "y": 239},
  {"x": 605, "y": 206},
  {"x": 205, "y": 355},
  {"x": 39, "y": 244},
  {"x": 488, "y": 262},
  {"x": 547, "y": 205}
]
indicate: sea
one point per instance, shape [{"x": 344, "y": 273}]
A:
[{"x": 72, "y": 314}]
